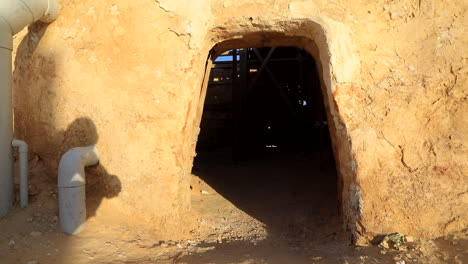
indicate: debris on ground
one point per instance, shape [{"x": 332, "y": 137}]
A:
[{"x": 397, "y": 241}]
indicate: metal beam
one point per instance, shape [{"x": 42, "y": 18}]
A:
[
  {"x": 277, "y": 85},
  {"x": 262, "y": 67},
  {"x": 271, "y": 60},
  {"x": 236, "y": 111}
]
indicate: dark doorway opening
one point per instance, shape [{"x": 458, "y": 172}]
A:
[{"x": 264, "y": 144}]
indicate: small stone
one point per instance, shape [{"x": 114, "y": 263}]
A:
[
  {"x": 408, "y": 239},
  {"x": 192, "y": 242},
  {"x": 384, "y": 243},
  {"x": 35, "y": 233},
  {"x": 396, "y": 238},
  {"x": 31, "y": 262},
  {"x": 29, "y": 219},
  {"x": 204, "y": 192},
  {"x": 54, "y": 219},
  {"x": 33, "y": 190},
  {"x": 394, "y": 15},
  {"x": 11, "y": 243},
  {"x": 400, "y": 262}
]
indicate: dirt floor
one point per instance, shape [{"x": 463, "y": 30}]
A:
[{"x": 274, "y": 208}]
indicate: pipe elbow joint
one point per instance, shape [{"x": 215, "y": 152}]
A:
[
  {"x": 21, "y": 145},
  {"x": 71, "y": 183},
  {"x": 52, "y": 11},
  {"x": 71, "y": 166},
  {"x": 18, "y": 14}
]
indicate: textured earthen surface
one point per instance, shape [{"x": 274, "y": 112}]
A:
[{"x": 127, "y": 77}]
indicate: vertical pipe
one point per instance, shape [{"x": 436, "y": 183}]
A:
[
  {"x": 14, "y": 16},
  {"x": 7, "y": 194},
  {"x": 23, "y": 164},
  {"x": 23, "y": 157},
  {"x": 71, "y": 186}
]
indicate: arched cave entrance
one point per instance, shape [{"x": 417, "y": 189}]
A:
[{"x": 265, "y": 147}]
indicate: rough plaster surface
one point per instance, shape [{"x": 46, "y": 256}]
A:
[{"x": 127, "y": 77}]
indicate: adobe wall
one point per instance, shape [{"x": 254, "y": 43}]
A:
[{"x": 127, "y": 77}]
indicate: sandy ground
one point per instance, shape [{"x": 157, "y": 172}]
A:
[{"x": 270, "y": 209}]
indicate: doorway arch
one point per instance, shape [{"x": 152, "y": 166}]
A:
[{"x": 329, "y": 42}]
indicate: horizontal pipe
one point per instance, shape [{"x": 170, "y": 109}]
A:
[
  {"x": 20, "y": 13},
  {"x": 72, "y": 164},
  {"x": 23, "y": 170}
]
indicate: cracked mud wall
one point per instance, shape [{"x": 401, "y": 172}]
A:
[
  {"x": 410, "y": 134},
  {"x": 399, "y": 121}
]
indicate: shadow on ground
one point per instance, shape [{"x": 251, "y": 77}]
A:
[{"x": 287, "y": 192}]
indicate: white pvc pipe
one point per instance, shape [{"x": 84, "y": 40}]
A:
[
  {"x": 7, "y": 190},
  {"x": 14, "y": 16},
  {"x": 23, "y": 170},
  {"x": 71, "y": 185}
]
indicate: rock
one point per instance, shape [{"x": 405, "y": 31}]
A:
[
  {"x": 400, "y": 262},
  {"x": 408, "y": 239},
  {"x": 192, "y": 243},
  {"x": 11, "y": 243},
  {"x": 31, "y": 262},
  {"x": 385, "y": 243},
  {"x": 395, "y": 15},
  {"x": 396, "y": 238},
  {"x": 204, "y": 192},
  {"x": 394, "y": 241},
  {"x": 54, "y": 219},
  {"x": 29, "y": 219},
  {"x": 33, "y": 190},
  {"x": 35, "y": 233}
]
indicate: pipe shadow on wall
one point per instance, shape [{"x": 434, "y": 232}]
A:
[
  {"x": 99, "y": 183},
  {"x": 38, "y": 75}
]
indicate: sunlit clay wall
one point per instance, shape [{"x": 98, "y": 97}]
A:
[{"x": 127, "y": 77}]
